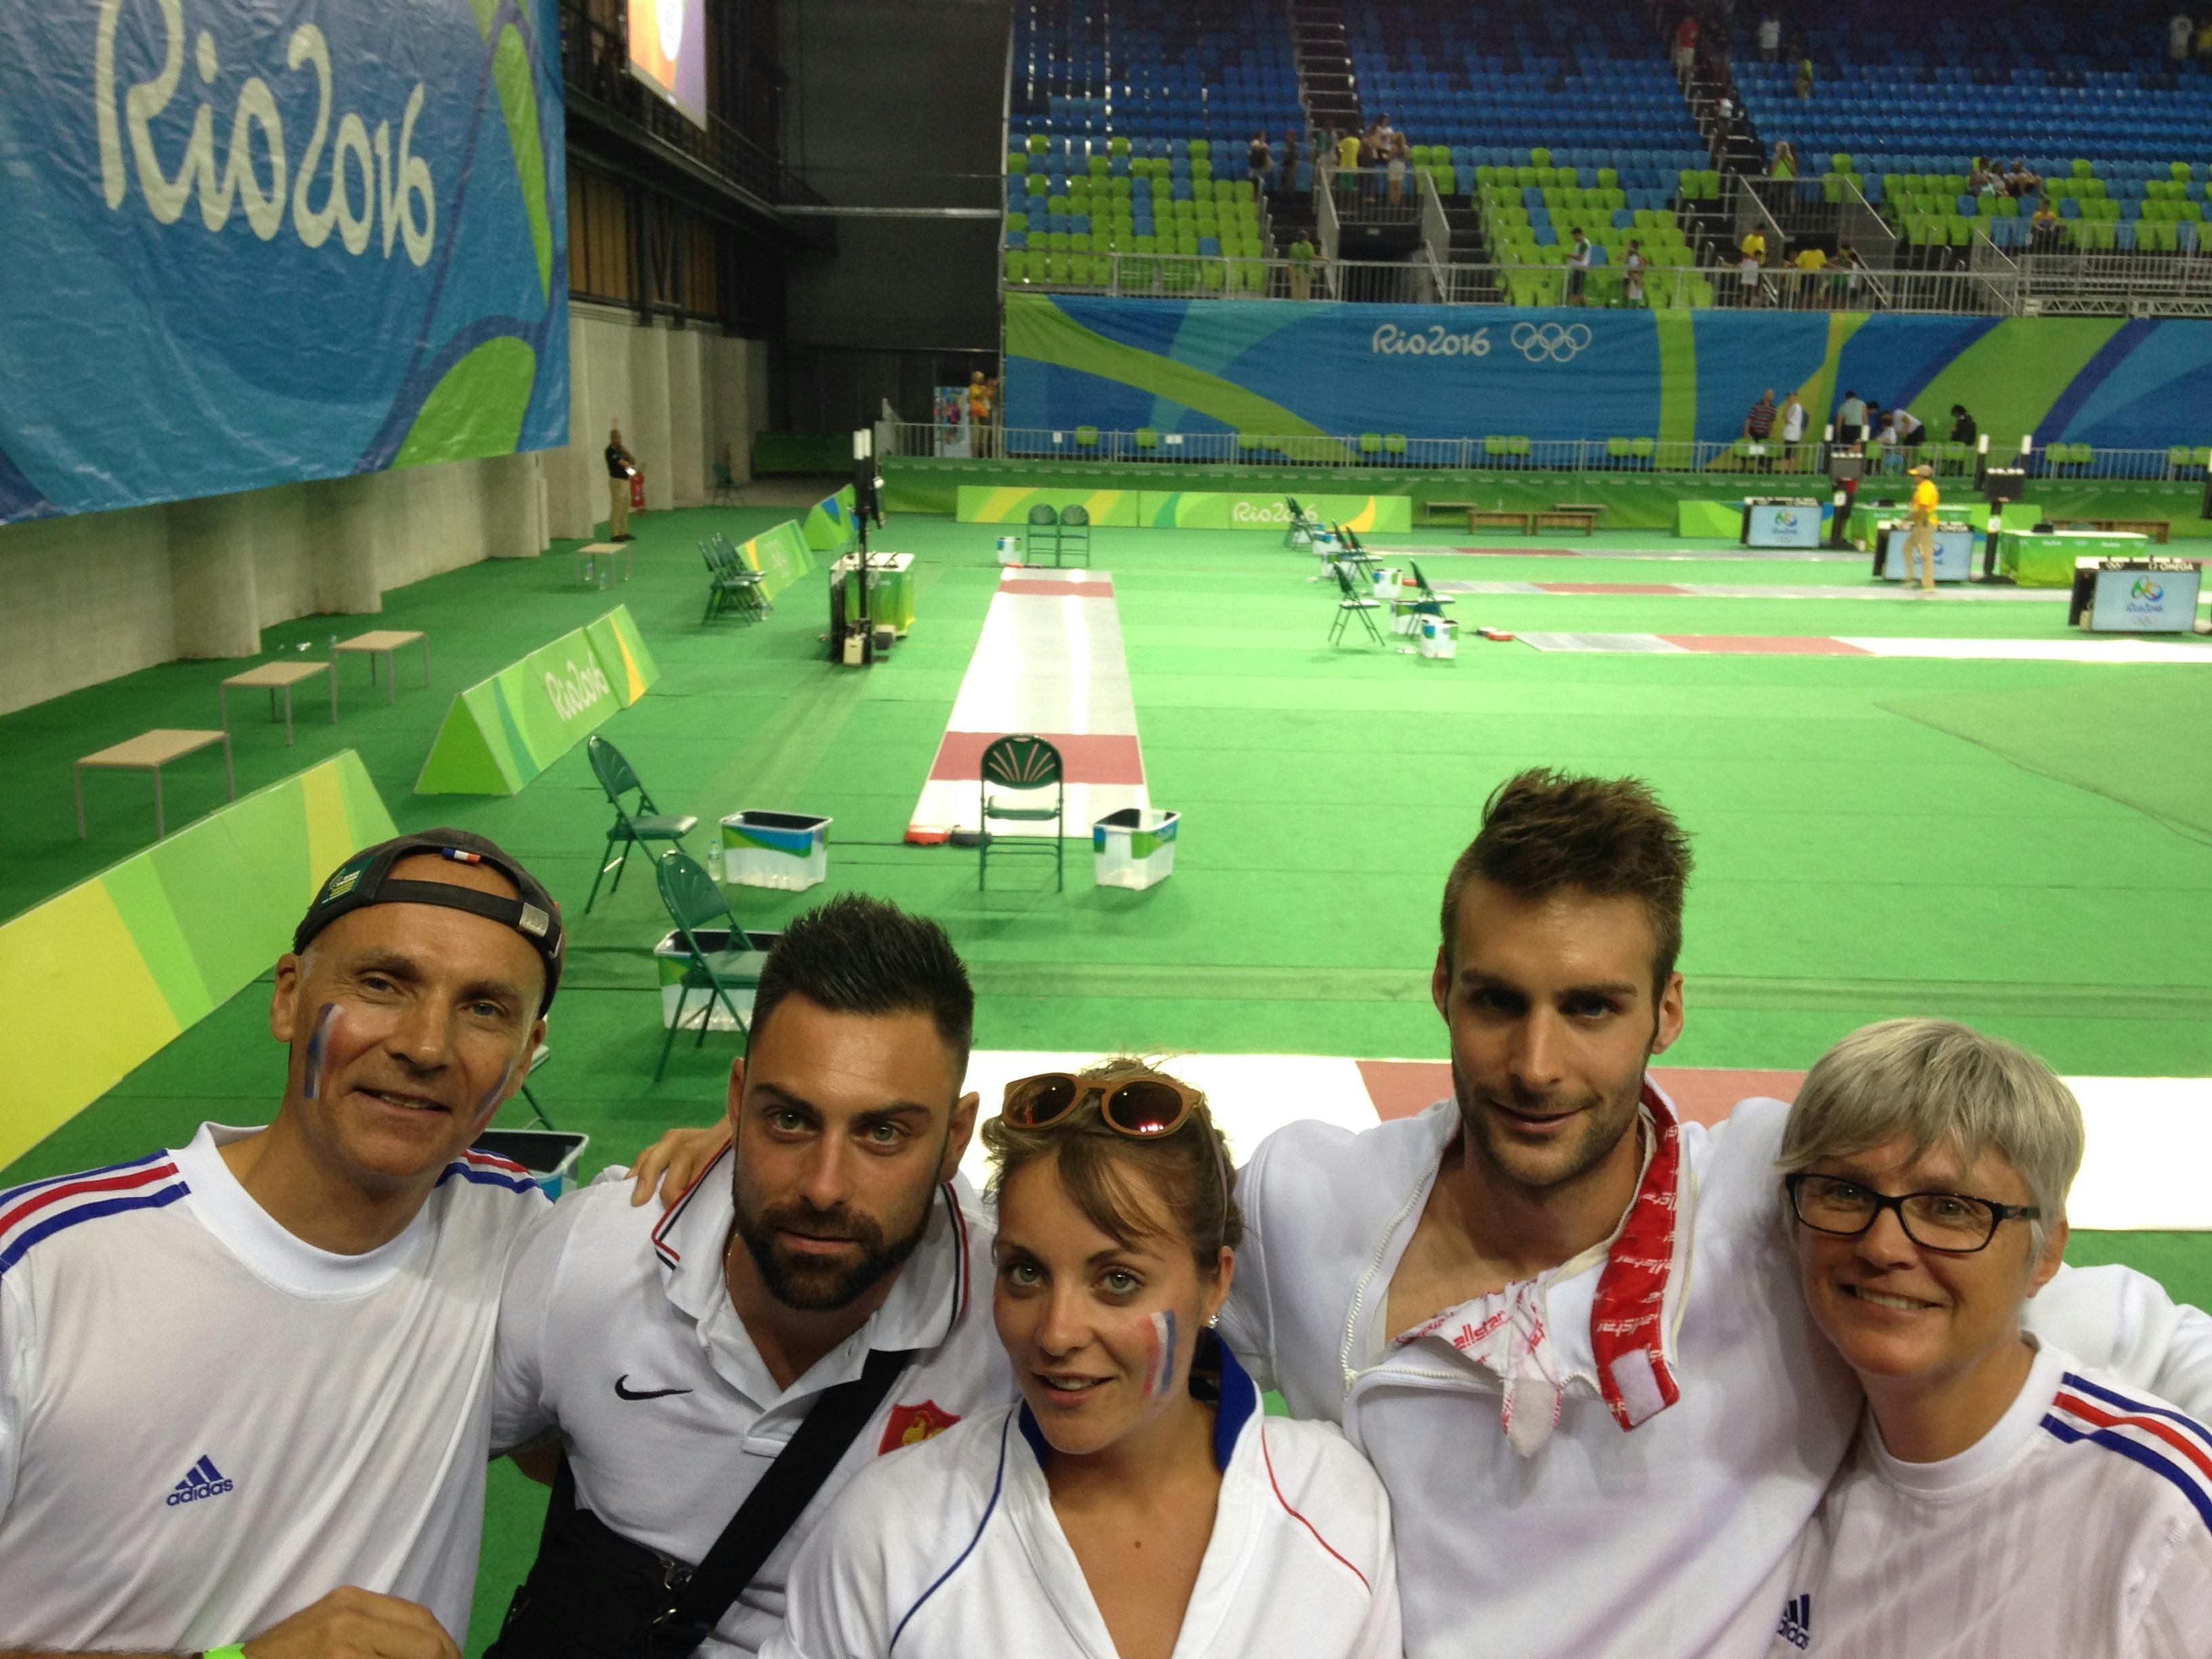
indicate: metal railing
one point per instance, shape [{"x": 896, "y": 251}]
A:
[
  {"x": 1362, "y": 195},
  {"x": 1435, "y": 238},
  {"x": 917, "y": 439},
  {"x": 1329, "y": 235},
  {"x": 595, "y": 67}
]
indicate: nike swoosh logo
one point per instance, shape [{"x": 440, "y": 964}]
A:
[{"x": 624, "y": 1393}]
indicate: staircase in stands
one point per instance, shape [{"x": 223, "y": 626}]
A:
[{"x": 1319, "y": 46}]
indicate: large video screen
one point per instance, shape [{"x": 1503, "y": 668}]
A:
[{"x": 668, "y": 51}]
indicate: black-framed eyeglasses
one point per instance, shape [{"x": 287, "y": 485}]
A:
[{"x": 1951, "y": 1222}]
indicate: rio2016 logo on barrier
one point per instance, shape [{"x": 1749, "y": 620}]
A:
[
  {"x": 2148, "y": 591},
  {"x": 584, "y": 687},
  {"x": 1554, "y": 343},
  {"x": 1258, "y": 513},
  {"x": 1391, "y": 341},
  {"x": 393, "y": 189},
  {"x": 1786, "y": 519}
]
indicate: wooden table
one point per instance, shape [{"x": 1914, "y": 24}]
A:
[
  {"x": 597, "y": 561},
  {"x": 1583, "y": 519},
  {"x": 382, "y": 642},
  {"x": 1595, "y": 509},
  {"x": 1430, "y": 509},
  {"x": 149, "y": 751},
  {"x": 278, "y": 676},
  {"x": 1496, "y": 518}
]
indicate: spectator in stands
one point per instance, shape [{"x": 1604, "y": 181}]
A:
[
  {"x": 1963, "y": 429},
  {"x": 2204, "y": 39},
  {"x": 1347, "y": 151},
  {"x": 979, "y": 414},
  {"x": 1685, "y": 45},
  {"x": 2043, "y": 227},
  {"x": 1394, "y": 166},
  {"x": 2180, "y": 30},
  {"x": 1805, "y": 287},
  {"x": 1578, "y": 264},
  {"x": 1754, "y": 245},
  {"x": 1784, "y": 166},
  {"x": 2021, "y": 179},
  {"x": 1286, "y": 164},
  {"x": 1851, "y": 418},
  {"x": 1633, "y": 264},
  {"x": 1770, "y": 37},
  {"x": 1259, "y": 162},
  {"x": 1302, "y": 256},
  {"x": 1804, "y": 76},
  {"x": 1747, "y": 278},
  {"x": 1980, "y": 181},
  {"x": 1908, "y": 427},
  {"x": 1843, "y": 277}
]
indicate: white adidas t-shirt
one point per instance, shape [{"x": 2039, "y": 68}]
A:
[
  {"x": 207, "y": 1425},
  {"x": 619, "y": 1332},
  {"x": 952, "y": 1550},
  {"x": 2079, "y": 1527}
]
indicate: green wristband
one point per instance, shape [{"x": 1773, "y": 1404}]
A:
[{"x": 236, "y": 1650}]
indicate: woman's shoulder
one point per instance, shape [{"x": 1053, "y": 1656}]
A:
[
  {"x": 1304, "y": 1457},
  {"x": 943, "y": 1470}
]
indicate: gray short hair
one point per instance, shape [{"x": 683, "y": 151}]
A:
[{"x": 1938, "y": 1084}]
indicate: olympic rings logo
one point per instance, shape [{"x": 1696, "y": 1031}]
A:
[{"x": 1552, "y": 342}]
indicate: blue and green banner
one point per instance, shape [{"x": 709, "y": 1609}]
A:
[
  {"x": 265, "y": 240},
  {"x": 990, "y": 504},
  {"x": 1290, "y": 370},
  {"x": 1215, "y": 509}
]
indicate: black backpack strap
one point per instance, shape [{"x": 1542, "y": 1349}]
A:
[{"x": 773, "y": 1506}]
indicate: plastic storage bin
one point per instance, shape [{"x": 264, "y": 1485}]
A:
[
  {"x": 787, "y": 850},
  {"x": 549, "y": 1155},
  {"x": 1134, "y": 847},
  {"x": 1439, "y": 636},
  {"x": 740, "y": 976}
]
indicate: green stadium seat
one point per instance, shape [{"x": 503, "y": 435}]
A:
[
  {"x": 1394, "y": 443},
  {"x": 1371, "y": 443}
]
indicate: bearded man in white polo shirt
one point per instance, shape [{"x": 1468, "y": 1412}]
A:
[
  {"x": 243, "y": 1382},
  {"x": 1564, "y": 1326},
  {"x": 828, "y": 1267}
]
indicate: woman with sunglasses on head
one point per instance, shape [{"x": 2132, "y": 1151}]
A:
[
  {"x": 1137, "y": 1504},
  {"x": 2001, "y": 1497}
]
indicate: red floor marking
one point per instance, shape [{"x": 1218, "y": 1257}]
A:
[
  {"x": 1052, "y": 590},
  {"x": 1611, "y": 587},
  {"x": 1522, "y": 551},
  {"x": 1085, "y": 757},
  {"x": 1399, "y": 1088},
  {"x": 1765, "y": 645}
]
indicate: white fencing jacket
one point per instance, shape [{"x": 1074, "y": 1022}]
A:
[
  {"x": 949, "y": 1549},
  {"x": 1673, "y": 1417}
]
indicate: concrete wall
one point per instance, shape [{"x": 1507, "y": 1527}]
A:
[{"x": 87, "y": 598}]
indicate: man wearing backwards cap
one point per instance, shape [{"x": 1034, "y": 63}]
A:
[{"x": 243, "y": 1383}]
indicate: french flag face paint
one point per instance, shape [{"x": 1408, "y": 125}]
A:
[
  {"x": 1159, "y": 1354},
  {"x": 318, "y": 1040}
]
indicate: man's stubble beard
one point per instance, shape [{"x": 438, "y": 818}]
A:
[
  {"x": 1602, "y": 1132},
  {"x": 807, "y": 1286}
]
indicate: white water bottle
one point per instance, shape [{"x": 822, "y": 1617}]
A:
[{"x": 715, "y": 860}]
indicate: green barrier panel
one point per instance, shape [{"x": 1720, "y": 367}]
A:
[
  {"x": 1217, "y": 510},
  {"x": 503, "y": 731},
  {"x": 95, "y": 980},
  {"x": 829, "y": 526},
  {"x": 983, "y": 504},
  {"x": 2048, "y": 561},
  {"x": 1709, "y": 518},
  {"x": 780, "y": 554}
]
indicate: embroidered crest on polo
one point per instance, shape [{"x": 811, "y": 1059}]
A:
[{"x": 909, "y": 1426}]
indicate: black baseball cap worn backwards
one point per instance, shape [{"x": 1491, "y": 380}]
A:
[{"x": 366, "y": 878}]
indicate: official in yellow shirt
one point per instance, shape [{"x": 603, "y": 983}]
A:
[{"x": 1920, "y": 529}]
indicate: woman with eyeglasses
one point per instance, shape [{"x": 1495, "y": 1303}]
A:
[
  {"x": 1137, "y": 1504},
  {"x": 2000, "y": 1499}
]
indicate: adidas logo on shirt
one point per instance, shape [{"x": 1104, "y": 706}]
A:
[
  {"x": 1797, "y": 1627},
  {"x": 202, "y": 1480}
]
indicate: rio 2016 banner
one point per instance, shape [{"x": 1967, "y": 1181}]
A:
[
  {"x": 263, "y": 240},
  {"x": 1336, "y": 370}
]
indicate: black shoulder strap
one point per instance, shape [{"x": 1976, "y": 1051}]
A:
[{"x": 775, "y": 1505}]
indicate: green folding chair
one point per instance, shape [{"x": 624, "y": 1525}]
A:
[
  {"x": 730, "y": 588},
  {"x": 1074, "y": 535},
  {"x": 1354, "y": 602},
  {"x": 1044, "y": 528},
  {"x": 646, "y": 822},
  {"x": 717, "y": 953},
  {"x": 1031, "y": 765},
  {"x": 727, "y": 488}
]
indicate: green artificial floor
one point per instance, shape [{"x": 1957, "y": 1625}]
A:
[{"x": 2020, "y": 844}]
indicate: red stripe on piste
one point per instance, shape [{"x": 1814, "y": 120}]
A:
[
  {"x": 1268, "y": 1459},
  {"x": 1110, "y": 757},
  {"x": 2090, "y": 1412},
  {"x": 1050, "y": 590},
  {"x": 123, "y": 1182}
]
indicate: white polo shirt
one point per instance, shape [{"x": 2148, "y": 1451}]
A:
[
  {"x": 617, "y": 1330},
  {"x": 207, "y": 1424},
  {"x": 2079, "y": 1527},
  {"x": 1672, "y": 1538},
  {"x": 952, "y": 1551}
]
